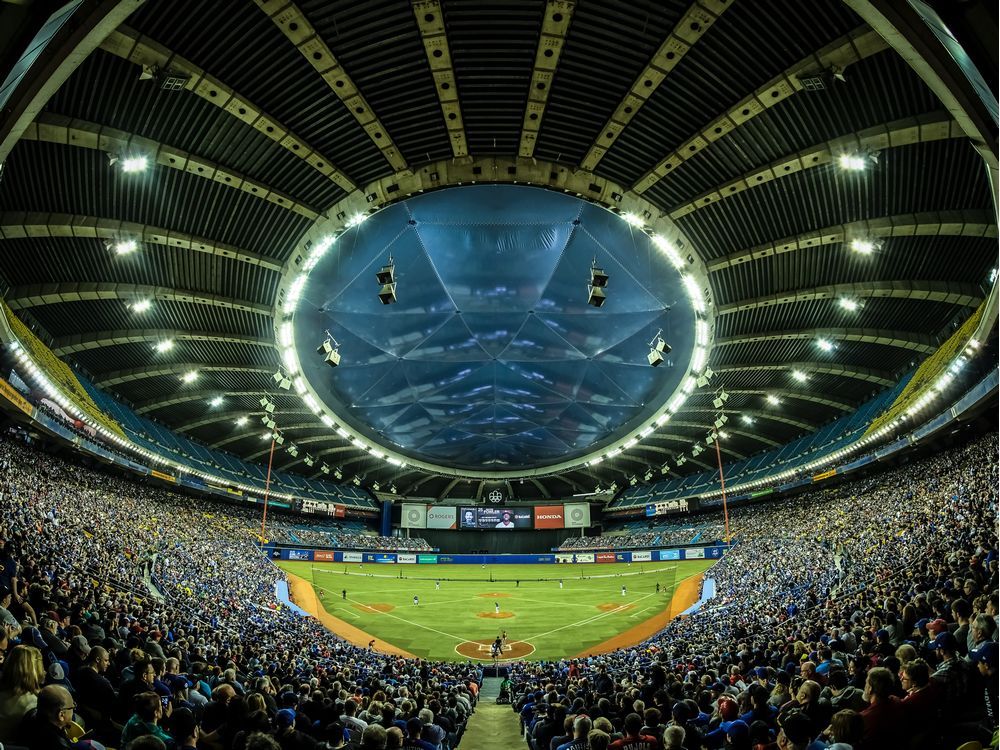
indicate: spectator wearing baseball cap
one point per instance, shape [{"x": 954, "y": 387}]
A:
[{"x": 985, "y": 659}]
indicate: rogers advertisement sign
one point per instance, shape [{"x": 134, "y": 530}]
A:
[{"x": 549, "y": 517}]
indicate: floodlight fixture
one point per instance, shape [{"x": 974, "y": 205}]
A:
[
  {"x": 853, "y": 162},
  {"x": 281, "y": 380},
  {"x": 279, "y": 439},
  {"x": 846, "y": 303},
  {"x": 825, "y": 345},
  {"x": 387, "y": 274},
  {"x": 309, "y": 460},
  {"x": 142, "y": 305},
  {"x": 338, "y": 474},
  {"x": 164, "y": 346},
  {"x": 658, "y": 348},
  {"x": 217, "y": 401},
  {"x": 772, "y": 399},
  {"x": 387, "y": 294},
  {"x": 324, "y": 468},
  {"x": 747, "y": 419},
  {"x": 330, "y": 350},
  {"x": 721, "y": 420},
  {"x": 267, "y": 405},
  {"x": 190, "y": 376},
  {"x": 598, "y": 282},
  {"x": 241, "y": 422},
  {"x": 633, "y": 480},
  {"x": 799, "y": 376},
  {"x": 122, "y": 247},
  {"x": 133, "y": 164},
  {"x": 864, "y": 246},
  {"x": 293, "y": 450},
  {"x": 720, "y": 399}
]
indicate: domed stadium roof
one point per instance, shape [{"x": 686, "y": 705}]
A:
[{"x": 773, "y": 170}]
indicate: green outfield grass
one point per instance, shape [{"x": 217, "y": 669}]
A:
[{"x": 555, "y": 622}]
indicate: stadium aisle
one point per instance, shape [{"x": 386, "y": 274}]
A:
[{"x": 492, "y": 727}]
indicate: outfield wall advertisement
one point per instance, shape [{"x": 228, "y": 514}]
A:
[{"x": 408, "y": 558}]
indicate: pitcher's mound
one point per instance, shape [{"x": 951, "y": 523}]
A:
[
  {"x": 493, "y": 595},
  {"x": 612, "y": 607},
  {"x": 495, "y": 615},
  {"x": 377, "y": 607},
  {"x": 481, "y": 650}
]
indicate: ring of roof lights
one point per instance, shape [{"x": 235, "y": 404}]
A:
[{"x": 358, "y": 206}]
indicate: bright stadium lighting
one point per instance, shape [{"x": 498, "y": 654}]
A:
[
  {"x": 848, "y": 304},
  {"x": 217, "y": 401},
  {"x": 242, "y": 421},
  {"x": 632, "y": 220},
  {"x": 190, "y": 376},
  {"x": 125, "y": 247},
  {"x": 747, "y": 419},
  {"x": 863, "y": 247},
  {"x": 825, "y": 345},
  {"x": 800, "y": 376},
  {"x": 141, "y": 306},
  {"x": 165, "y": 346},
  {"x": 133, "y": 164},
  {"x": 852, "y": 162}
]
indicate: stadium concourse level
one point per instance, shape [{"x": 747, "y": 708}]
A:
[
  {"x": 319, "y": 536},
  {"x": 865, "y": 614}
]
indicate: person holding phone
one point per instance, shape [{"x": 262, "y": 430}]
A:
[{"x": 150, "y": 709}]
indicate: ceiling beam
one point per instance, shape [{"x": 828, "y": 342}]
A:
[
  {"x": 933, "y": 126},
  {"x": 966, "y": 295},
  {"x": 420, "y": 480},
  {"x": 292, "y": 22},
  {"x": 430, "y": 21},
  {"x": 100, "y": 339},
  {"x": 448, "y": 488},
  {"x": 48, "y": 67},
  {"x": 710, "y": 428},
  {"x": 853, "y": 47},
  {"x": 696, "y": 21},
  {"x": 756, "y": 414},
  {"x": 866, "y": 374},
  {"x": 21, "y": 225},
  {"x": 68, "y": 131},
  {"x": 689, "y": 442},
  {"x": 252, "y": 414},
  {"x": 117, "y": 377},
  {"x": 555, "y": 24},
  {"x": 931, "y": 224},
  {"x": 224, "y": 416},
  {"x": 788, "y": 393},
  {"x": 162, "y": 402},
  {"x": 913, "y": 34},
  {"x": 37, "y": 295},
  {"x": 130, "y": 45},
  {"x": 916, "y": 342}
]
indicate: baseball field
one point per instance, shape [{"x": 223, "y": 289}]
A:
[{"x": 546, "y": 611}]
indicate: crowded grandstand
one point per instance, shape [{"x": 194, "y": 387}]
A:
[{"x": 499, "y": 375}]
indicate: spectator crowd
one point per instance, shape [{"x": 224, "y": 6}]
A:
[{"x": 860, "y": 617}]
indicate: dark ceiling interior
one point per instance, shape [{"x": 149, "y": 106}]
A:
[{"x": 244, "y": 196}]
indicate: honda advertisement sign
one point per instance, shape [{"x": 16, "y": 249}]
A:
[{"x": 549, "y": 517}]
